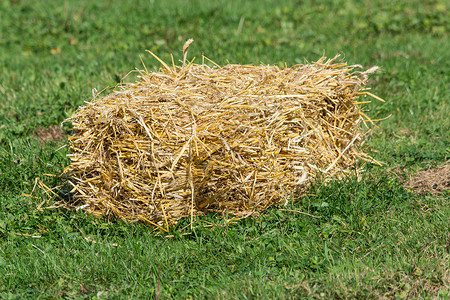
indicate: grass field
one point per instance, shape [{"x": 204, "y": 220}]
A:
[{"x": 361, "y": 239}]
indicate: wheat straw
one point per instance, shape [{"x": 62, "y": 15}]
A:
[{"x": 193, "y": 139}]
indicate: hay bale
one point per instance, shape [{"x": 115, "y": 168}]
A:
[{"x": 192, "y": 139}]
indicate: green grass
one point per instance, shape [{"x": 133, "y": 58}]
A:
[{"x": 368, "y": 239}]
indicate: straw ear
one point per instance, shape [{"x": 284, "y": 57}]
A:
[
  {"x": 371, "y": 70},
  {"x": 365, "y": 74},
  {"x": 185, "y": 50}
]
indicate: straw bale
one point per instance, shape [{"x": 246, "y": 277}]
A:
[{"x": 237, "y": 139}]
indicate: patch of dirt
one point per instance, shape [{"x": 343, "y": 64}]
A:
[
  {"x": 49, "y": 134},
  {"x": 434, "y": 181}
]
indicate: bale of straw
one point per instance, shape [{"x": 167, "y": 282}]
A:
[{"x": 194, "y": 138}]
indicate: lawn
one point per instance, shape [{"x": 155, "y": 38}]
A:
[{"x": 366, "y": 238}]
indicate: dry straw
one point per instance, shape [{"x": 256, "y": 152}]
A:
[{"x": 192, "y": 139}]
